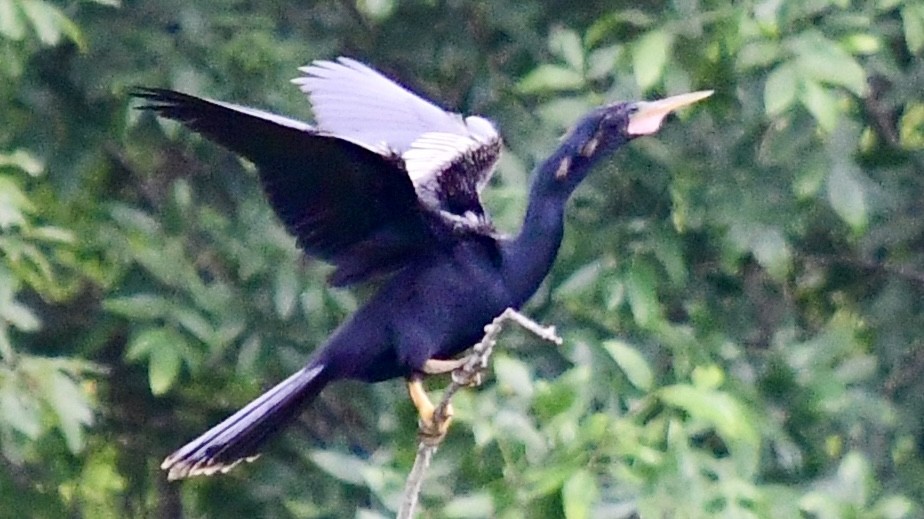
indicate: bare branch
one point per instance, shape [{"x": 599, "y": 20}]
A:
[{"x": 468, "y": 375}]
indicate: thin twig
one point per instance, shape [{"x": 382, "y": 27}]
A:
[{"x": 466, "y": 376}]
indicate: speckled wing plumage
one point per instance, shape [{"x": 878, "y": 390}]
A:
[{"x": 448, "y": 158}]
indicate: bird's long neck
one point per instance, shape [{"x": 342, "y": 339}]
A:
[{"x": 528, "y": 258}]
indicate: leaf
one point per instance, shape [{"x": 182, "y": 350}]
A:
[
  {"x": 138, "y": 306},
  {"x": 847, "y": 196},
  {"x": 649, "y": 57},
  {"x": 821, "y": 103},
  {"x": 470, "y": 506},
  {"x": 632, "y": 363},
  {"x": 21, "y": 159},
  {"x": 12, "y": 25},
  {"x": 341, "y": 466},
  {"x": 71, "y": 407},
  {"x": 579, "y": 494},
  {"x": 550, "y": 78},
  {"x": 164, "y": 349},
  {"x": 642, "y": 294},
  {"x": 18, "y": 408},
  {"x": 163, "y": 368},
  {"x": 825, "y": 61},
  {"x": 19, "y": 316},
  {"x": 566, "y": 44},
  {"x": 717, "y": 408},
  {"x": 514, "y": 374},
  {"x": 780, "y": 89},
  {"x": 913, "y": 26},
  {"x": 285, "y": 290},
  {"x": 50, "y": 23},
  {"x": 771, "y": 250},
  {"x": 14, "y": 204}
]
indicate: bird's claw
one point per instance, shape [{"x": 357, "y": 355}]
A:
[
  {"x": 433, "y": 426},
  {"x": 433, "y": 423}
]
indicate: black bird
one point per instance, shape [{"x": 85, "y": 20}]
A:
[{"x": 387, "y": 185}]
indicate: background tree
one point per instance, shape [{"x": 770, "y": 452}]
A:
[{"x": 740, "y": 297}]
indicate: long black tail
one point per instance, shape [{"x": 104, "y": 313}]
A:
[{"x": 239, "y": 437}]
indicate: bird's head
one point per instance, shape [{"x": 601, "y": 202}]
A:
[{"x": 609, "y": 127}]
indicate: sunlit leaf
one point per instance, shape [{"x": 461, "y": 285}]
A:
[
  {"x": 138, "y": 306},
  {"x": 18, "y": 408},
  {"x": 12, "y": 25},
  {"x": 163, "y": 367},
  {"x": 344, "y": 467},
  {"x": 632, "y": 363},
  {"x": 825, "y": 61},
  {"x": 50, "y": 23},
  {"x": 847, "y": 195},
  {"x": 641, "y": 291},
  {"x": 13, "y": 204},
  {"x": 772, "y": 251},
  {"x": 717, "y": 408},
  {"x": 780, "y": 89},
  {"x": 822, "y": 104},
  {"x": 579, "y": 494},
  {"x": 913, "y": 25},
  {"x": 649, "y": 57},
  {"x": 514, "y": 375},
  {"x": 550, "y": 78},
  {"x": 566, "y": 44},
  {"x": 472, "y": 506}
]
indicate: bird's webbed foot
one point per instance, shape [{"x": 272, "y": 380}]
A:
[{"x": 433, "y": 425}]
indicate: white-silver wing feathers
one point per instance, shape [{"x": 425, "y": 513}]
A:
[{"x": 448, "y": 158}]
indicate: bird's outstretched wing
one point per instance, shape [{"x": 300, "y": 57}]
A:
[
  {"x": 344, "y": 203},
  {"x": 448, "y": 158}
]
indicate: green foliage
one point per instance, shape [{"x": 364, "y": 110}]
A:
[{"x": 740, "y": 296}]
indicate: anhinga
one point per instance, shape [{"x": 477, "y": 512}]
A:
[{"x": 387, "y": 184}]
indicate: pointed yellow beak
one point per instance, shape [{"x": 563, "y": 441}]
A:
[{"x": 650, "y": 115}]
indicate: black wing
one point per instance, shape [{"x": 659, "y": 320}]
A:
[{"x": 346, "y": 204}]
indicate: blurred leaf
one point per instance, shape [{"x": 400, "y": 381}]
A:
[
  {"x": 163, "y": 368},
  {"x": 344, "y": 467},
  {"x": 772, "y": 252},
  {"x": 20, "y": 159},
  {"x": 50, "y": 23},
  {"x": 566, "y": 44},
  {"x": 550, "y": 78},
  {"x": 913, "y": 25},
  {"x": 513, "y": 374},
  {"x": 17, "y": 408},
  {"x": 911, "y": 127},
  {"x": 632, "y": 363},
  {"x": 579, "y": 494},
  {"x": 470, "y": 506},
  {"x": 825, "y": 61},
  {"x": 164, "y": 349},
  {"x": 138, "y": 306},
  {"x": 847, "y": 196},
  {"x": 285, "y": 294},
  {"x": 822, "y": 104},
  {"x": 642, "y": 295},
  {"x": 13, "y": 204},
  {"x": 716, "y": 408},
  {"x": 649, "y": 57},
  {"x": 12, "y": 25},
  {"x": 780, "y": 89},
  {"x": 71, "y": 407},
  {"x": 19, "y": 316}
]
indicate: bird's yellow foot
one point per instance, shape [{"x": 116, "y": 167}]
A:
[
  {"x": 433, "y": 428},
  {"x": 459, "y": 376}
]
